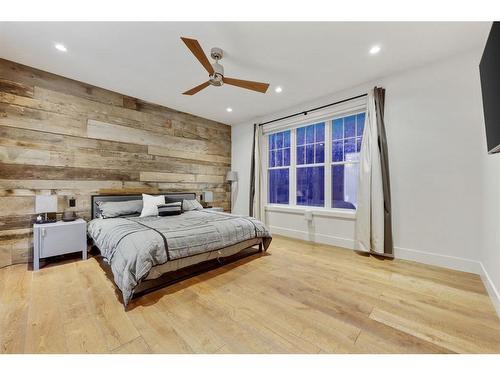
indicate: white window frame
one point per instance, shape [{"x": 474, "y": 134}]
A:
[{"x": 327, "y": 116}]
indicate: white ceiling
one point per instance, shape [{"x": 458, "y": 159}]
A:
[{"x": 309, "y": 60}]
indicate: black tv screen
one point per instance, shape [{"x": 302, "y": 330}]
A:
[{"x": 489, "y": 69}]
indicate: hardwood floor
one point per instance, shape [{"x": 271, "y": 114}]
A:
[{"x": 302, "y": 298}]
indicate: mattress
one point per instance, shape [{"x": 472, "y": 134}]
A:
[{"x": 133, "y": 246}]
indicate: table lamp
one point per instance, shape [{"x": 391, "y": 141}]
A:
[
  {"x": 43, "y": 205},
  {"x": 207, "y": 197}
]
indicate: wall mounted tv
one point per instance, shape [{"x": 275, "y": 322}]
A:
[{"x": 489, "y": 68}]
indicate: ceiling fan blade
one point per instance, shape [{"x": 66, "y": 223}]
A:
[
  {"x": 197, "y": 51},
  {"x": 194, "y": 90},
  {"x": 249, "y": 85}
]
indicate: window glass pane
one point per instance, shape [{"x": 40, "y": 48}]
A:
[
  {"x": 278, "y": 186},
  {"x": 310, "y": 134},
  {"x": 350, "y": 153},
  {"x": 286, "y": 157},
  {"x": 338, "y": 128},
  {"x": 319, "y": 153},
  {"x": 360, "y": 124},
  {"x": 279, "y": 140},
  {"x": 349, "y": 126},
  {"x": 272, "y": 158},
  {"x": 345, "y": 185},
  {"x": 301, "y": 136},
  {"x": 338, "y": 151},
  {"x": 311, "y": 186},
  {"x": 272, "y": 144},
  {"x": 286, "y": 138},
  {"x": 279, "y": 158},
  {"x": 301, "y": 155},
  {"x": 310, "y": 154},
  {"x": 320, "y": 132},
  {"x": 358, "y": 144}
]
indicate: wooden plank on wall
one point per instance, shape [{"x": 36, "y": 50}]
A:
[
  {"x": 169, "y": 152},
  {"x": 16, "y": 88},
  {"x": 25, "y": 118},
  {"x": 113, "y": 132},
  {"x": 166, "y": 177},
  {"x": 64, "y": 137}
]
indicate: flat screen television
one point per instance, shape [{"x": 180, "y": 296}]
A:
[{"x": 489, "y": 69}]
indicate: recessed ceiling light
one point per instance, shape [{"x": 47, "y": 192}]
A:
[
  {"x": 374, "y": 50},
  {"x": 229, "y": 109},
  {"x": 60, "y": 47},
  {"x": 278, "y": 89}
]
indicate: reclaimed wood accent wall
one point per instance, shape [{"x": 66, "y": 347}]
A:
[{"x": 60, "y": 136}]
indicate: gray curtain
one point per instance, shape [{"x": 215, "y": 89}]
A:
[
  {"x": 252, "y": 174},
  {"x": 379, "y": 96}
]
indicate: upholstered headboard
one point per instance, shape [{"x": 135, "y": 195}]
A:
[{"x": 130, "y": 197}]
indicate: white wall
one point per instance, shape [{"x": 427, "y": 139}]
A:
[
  {"x": 490, "y": 245},
  {"x": 445, "y": 188}
]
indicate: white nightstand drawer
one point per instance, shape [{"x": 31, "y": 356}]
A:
[
  {"x": 62, "y": 240},
  {"x": 59, "y": 238}
]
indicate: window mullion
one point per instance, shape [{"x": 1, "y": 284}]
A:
[
  {"x": 328, "y": 168},
  {"x": 293, "y": 162}
]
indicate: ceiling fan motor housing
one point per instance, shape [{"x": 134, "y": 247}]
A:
[{"x": 216, "y": 78}]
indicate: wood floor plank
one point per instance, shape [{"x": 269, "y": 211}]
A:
[
  {"x": 298, "y": 297},
  {"x": 136, "y": 346},
  {"x": 44, "y": 331},
  {"x": 14, "y": 307}
]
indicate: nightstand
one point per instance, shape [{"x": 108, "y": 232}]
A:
[
  {"x": 59, "y": 238},
  {"x": 216, "y": 209}
]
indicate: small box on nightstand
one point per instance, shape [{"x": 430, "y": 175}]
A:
[{"x": 59, "y": 238}]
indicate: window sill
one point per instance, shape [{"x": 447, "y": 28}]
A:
[{"x": 316, "y": 211}]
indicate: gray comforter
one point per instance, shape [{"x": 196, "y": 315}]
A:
[{"x": 133, "y": 245}]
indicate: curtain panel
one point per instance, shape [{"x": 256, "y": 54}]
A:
[
  {"x": 373, "y": 229},
  {"x": 257, "y": 196}
]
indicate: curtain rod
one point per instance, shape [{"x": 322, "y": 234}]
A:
[{"x": 314, "y": 109}]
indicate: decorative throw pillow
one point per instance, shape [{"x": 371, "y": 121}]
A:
[
  {"x": 191, "y": 204},
  {"x": 168, "y": 209},
  {"x": 150, "y": 204},
  {"x": 117, "y": 209}
]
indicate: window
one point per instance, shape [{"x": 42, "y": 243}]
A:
[
  {"x": 317, "y": 164},
  {"x": 347, "y": 134},
  {"x": 279, "y": 167},
  {"x": 311, "y": 165}
]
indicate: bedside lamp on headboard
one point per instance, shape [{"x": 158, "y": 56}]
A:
[{"x": 45, "y": 204}]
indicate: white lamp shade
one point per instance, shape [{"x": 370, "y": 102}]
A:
[
  {"x": 45, "y": 203},
  {"x": 232, "y": 176},
  {"x": 208, "y": 196}
]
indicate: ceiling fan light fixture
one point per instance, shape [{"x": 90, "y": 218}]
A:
[
  {"x": 278, "y": 89},
  {"x": 229, "y": 109}
]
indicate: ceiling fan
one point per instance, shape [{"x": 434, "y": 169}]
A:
[{"x": 216, "y": 70}]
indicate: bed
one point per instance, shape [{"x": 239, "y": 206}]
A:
[{"x": 140, "y": 251}]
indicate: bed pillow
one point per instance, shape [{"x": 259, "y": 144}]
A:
[
  {"x": 168, "y": 209},
  {"x": 173, "y": 200},
  {"x": 191, "y": 205},
  {"x": 117, "y": 209},
  {"x": 150, "y": 204}
]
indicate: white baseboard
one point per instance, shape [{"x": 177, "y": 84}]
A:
[
  {"x": 440, "y": 260},
  {"x": 313, "y": 237},
  {"x": 433, "y": 259},
  {"x": 491, "y": 289}
]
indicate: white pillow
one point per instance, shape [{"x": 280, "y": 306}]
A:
[{"x": 150, "y": 204}]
